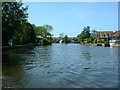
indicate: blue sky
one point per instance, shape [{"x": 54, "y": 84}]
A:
[{"x": 71, "y": 17}]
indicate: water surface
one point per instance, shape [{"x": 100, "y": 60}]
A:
[{"x": 61, "y": 66}]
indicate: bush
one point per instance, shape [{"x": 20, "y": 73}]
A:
[
  {"x": 88, "y": 40},
  {"x": 95, "y": 41},
  {"x": 101, "y": 41}
]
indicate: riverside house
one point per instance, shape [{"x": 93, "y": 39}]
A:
[
  {"x": 104, "y": 34},
  {"x": 115, "y": 39}
]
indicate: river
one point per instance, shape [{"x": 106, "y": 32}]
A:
[{"x": 60, "y": 66}]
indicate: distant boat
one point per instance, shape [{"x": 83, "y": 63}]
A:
[
  {"x": 114, "y": 42},
  {"x": 60, "y": 41}
]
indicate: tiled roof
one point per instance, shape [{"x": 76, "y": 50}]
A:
[
  {"x": 105, "y": 34},
  {"x": 109, "y": 34},
  {"x": 116, "y": 33}
]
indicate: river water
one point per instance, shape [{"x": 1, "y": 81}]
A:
[{"x": 61, "y": 66}]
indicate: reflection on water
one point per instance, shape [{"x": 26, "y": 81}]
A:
[{"x": 61, "y": 66}]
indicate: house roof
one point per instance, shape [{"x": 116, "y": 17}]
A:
[
  {"x": 104, "y": 34},
  {"x": 104, "y": 31},
  {"x": 116, "y": 34}
]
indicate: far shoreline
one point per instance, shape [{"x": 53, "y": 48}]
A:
[{"x": 33, "y": 45}]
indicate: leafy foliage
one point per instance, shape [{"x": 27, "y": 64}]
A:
[
  {"x": 84, "y": 34},
  {"x": 66, "y": 39},
  {"x": 15, "y": 25},
  {"x": 44, "y": 37}
]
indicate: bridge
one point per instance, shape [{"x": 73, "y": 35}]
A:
[{"x": 71, "y": 39}]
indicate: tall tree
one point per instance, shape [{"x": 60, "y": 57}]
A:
[
  {"x": 13, "y": 17},
  {"x": 66, "y": 39},
  {"x": 25, "y": 35},
  {"x": 43, "y": 32},
  {"x": 84, "y": 34}
]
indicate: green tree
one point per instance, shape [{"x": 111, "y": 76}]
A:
[
  {"x": 66, "y": 39},
  {"x": 84, "y": 34},
  {"x": 25, "y": 35},
  {"x": 13, "y": 17},
  {"x": 44, "y": 33}
]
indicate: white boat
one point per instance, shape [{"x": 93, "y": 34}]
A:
[
  {"x": 60, "y": 41},
  {"x": 114, "y": 42}
]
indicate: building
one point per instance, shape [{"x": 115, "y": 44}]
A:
[
  {"x": 116, "y": 35},
  {"x": 104, "y": 34},
  {"x": 115, "y": 39}
]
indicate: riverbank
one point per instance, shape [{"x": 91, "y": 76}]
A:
[
  {"x": 95, "y": 44},
  {"x": 17, "y": 46},
  {"x": 102, "y": 44},
  {"x": 116, "y": 45},
  {"x": 32, "y": 45}
]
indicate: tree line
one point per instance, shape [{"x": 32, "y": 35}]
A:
[
  {"x": 85, "y": 37},
  {"x": 15, "y": 26},
  {"x": 89, "y": 36},
  {"x": 43, "y": 35}
]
